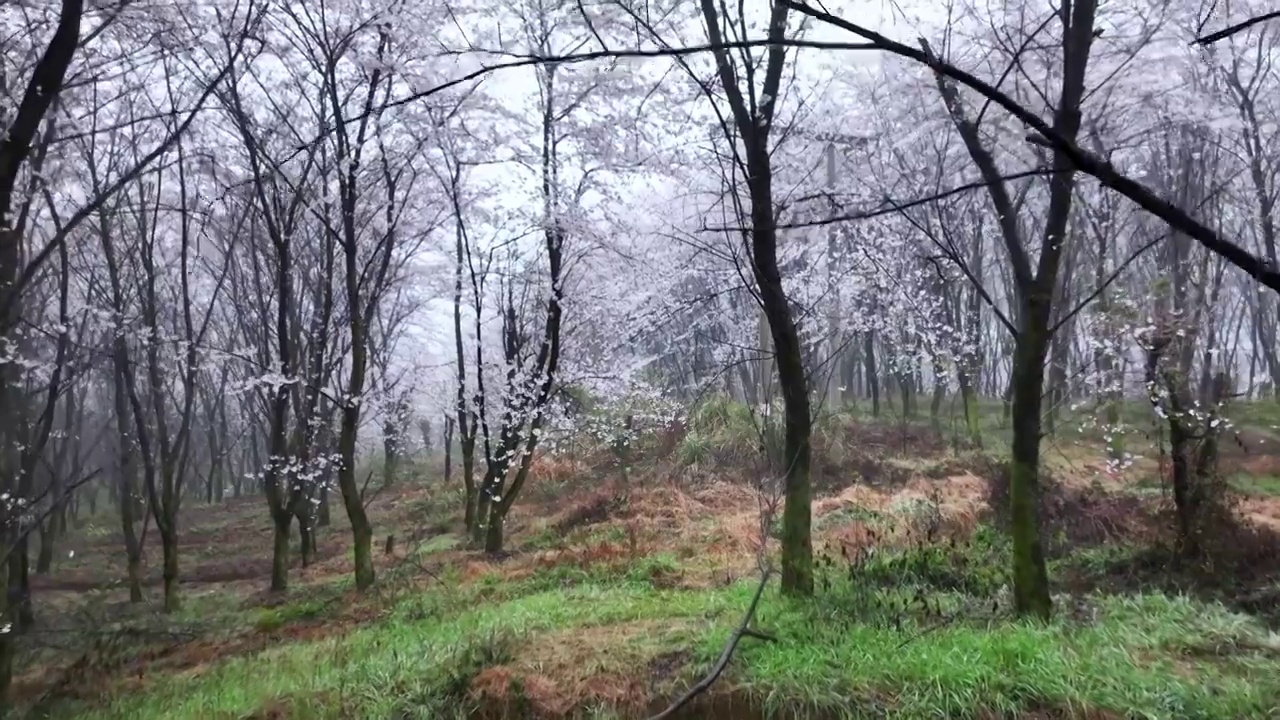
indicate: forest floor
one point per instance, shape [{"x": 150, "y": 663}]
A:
[{"x": 614, "y": 597}]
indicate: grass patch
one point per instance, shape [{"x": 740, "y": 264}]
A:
[
  {"x": 1126, "y": 662},
  {"x": 439, "y": 543},
  {"x": 847, "y": 515},
  {"x": 277, "y": 617},
  {"x": 1132, "y": 657},
  {"x": 587, "y": 612},
  {"x": 1264, "y": 485},
  {"x": 400, "y": 665}
]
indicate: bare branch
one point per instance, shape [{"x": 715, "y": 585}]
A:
[
  {"x": 743, "y": 630},
  {"x": 1223, "y": 34},
  {"x": 1045, "y": 135}
]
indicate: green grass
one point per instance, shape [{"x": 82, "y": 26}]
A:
[
  {"x": 1135, "y": 415},
  {"x": 1264, "y": 485},
  {"x": 1264, "y": 414},
  {"x": 1137, "y": 658},
  {"x": 277, "y": 617},
  {"x": 1247, "y": 483},
  {"x": 401, "y": 665},
  {"x": 1128, "y": 662},
  {"x": 719, "y": 425}
]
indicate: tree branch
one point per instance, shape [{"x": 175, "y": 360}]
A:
[
  {"x": 1227, "y": 32},
  {"x": 1045, "y": 135}
]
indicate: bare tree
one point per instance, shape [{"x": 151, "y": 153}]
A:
[
  {"x": 753, "y": 113},
  {"x": 43, "y": 87},
  {"x": 280, "y": 202}
]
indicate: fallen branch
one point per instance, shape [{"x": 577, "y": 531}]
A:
[{"x": 743, "y": 630}]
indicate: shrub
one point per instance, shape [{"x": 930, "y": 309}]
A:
[
  {"x": 720, "y": 429},
  {"x": 694, "y": 449},
  {"x": 1074, "y": 517}
]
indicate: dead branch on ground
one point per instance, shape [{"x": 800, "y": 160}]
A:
[{"x": 744, "y": 630}]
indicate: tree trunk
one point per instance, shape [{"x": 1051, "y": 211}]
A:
[
  {"x": 21, "y": 614},
  {"x": 869, "y": 363},
  {"x": 132, "y": 545},
  {"x": 361, "y": 530},
  {"x": 448, "y": 454},
  {"x": 1060, "y": 349},
  {"x": 1031, "y": 579},
  {"x": 1184, "y": 506},
  {"x": 906, "y": 389},
  {"x": 280, "y": 552},
  {"x": 482, "y": 513},
  {"x": 472, "y": 514},
  {"x": 493, "y": 530},
  {"x": 48, "y": 533},
  {"x": 797, "y": 548},
  {"x": 1007, "y": 397},
  {"x": 939, "y": 394},
  {"x": 390, "y": 457},
  {"x": 849, "y": 375},
  {"x": 169, "y": 542},
  {"x": 969, "y": 397},
  {"x": 306, "y": 532},
  {"x": 306, "y": 543},
  {"x": 764, "y": 363},
  {"x": 324, "y": 517}
]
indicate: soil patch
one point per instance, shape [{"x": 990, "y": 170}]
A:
[{"x": 503, "y": 694}]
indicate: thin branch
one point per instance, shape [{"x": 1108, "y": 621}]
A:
[
  {"x": 44, "y": 515},
  {"x": 1102, "y": 287},
  {"x": 890, "y": 207},
  {"x": 534, "y": 60}
]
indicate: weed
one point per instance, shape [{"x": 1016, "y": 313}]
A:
[
  {"x": 277, "y": 617},
  {"x": 446, "y": 693},
  {"x": 881, "y": 585},
  {"x": 694, "y": 449},
  {"x": 661, "y": 571},
  {"x": 544, "y": 538}
]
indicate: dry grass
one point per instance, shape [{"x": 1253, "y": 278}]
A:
[{"x": 562, "y": 671}]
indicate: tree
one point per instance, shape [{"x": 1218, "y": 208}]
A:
[
  {"x": 280, "y": 202},
  {"x": 753, "y": 112},
  {"x": 43, "y": 87},
  {"x": 465, "y": 418},
  {"x": 1082, "y": 160},
  {"x": 20, "y": 266}
]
